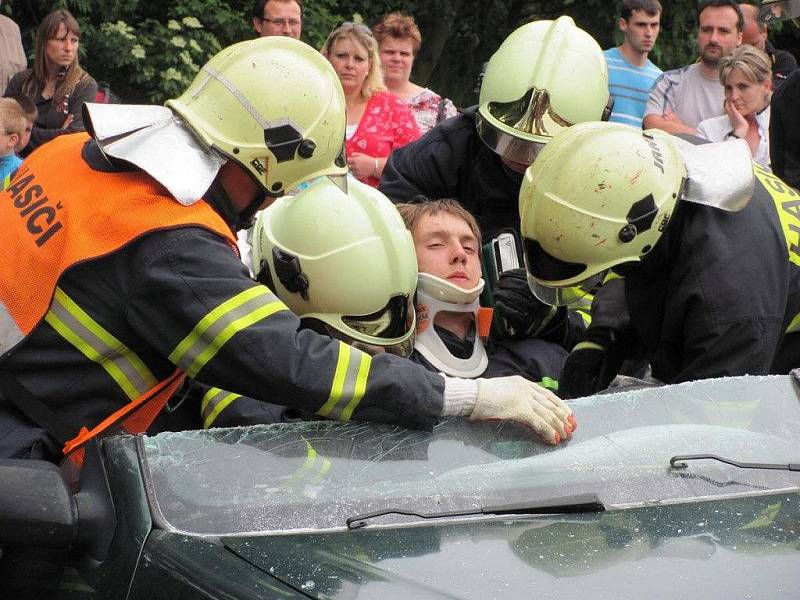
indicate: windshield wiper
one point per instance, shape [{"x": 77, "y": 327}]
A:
[
  {"x": 675, "y": 462},
  {"x": 578, "y": 503}
]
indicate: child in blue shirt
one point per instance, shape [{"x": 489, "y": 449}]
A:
[{"x": 16, "y": 122}]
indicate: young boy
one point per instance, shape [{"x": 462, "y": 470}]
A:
[
  {"x": 448, "y": 245},
  {"x": 16, "y": 122},
  {"x": 31, "y": 114}
]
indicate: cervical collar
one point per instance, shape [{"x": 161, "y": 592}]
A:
[
  {"x": 433, "y": 296},
  {"x": 159, "y": 143}
]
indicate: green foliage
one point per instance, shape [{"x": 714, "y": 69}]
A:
[
  {"x": 134, "y": 45},
  {"x": 151, "y": 61}
]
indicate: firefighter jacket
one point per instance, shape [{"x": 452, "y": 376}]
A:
[
  {"x": 175, "y": 296},
  {"x": 451, "y": 161},
  {"x": 719, "y": 290}
]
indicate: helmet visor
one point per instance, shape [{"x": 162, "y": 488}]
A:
[
  {"x": 531, "y": 114},
  {"x": 390, "y": 329},
  {"x": 574, "y": 295},
  {"x": 544, "y": 266},
  {"x": 394, "y": 320},
  {"x": 508, "y": 146}
]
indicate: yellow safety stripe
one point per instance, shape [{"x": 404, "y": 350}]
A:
[
  {"x": 794, "y": 326},
  {"x": 312, "y": 471},
  {"x": 98, "y": 345},
  {"x": 349, "y": 383},
  {"x": 221, "y": 324},
  {"x": 214, "y": 402},
  {"x": 586, "y": 316},
  {"x": 6, "y": 182}
]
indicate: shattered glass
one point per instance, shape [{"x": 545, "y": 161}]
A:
[{"x": 299, "y": 477}]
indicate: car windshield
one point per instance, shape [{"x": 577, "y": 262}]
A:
[{"x": 312, "y": 476}]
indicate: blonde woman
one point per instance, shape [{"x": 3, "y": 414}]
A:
[
  {"x": 746, "y": 75},
  {"x": 56, "y": 84},
  {"x": 377, "y": 121}
]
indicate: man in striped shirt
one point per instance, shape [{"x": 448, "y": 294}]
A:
[{"x": 630, "y": 73}]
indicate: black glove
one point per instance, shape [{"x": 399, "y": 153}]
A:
[
  {"x": 591, "y": 365},
  {"x": 596, "y": 360},
  {"x": 517, "y": 312}
]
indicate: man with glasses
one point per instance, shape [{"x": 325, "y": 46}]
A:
[{"x": 278, "y": 17}]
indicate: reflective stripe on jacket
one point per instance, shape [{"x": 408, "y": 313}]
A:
[{"x": 51, "y": 225}]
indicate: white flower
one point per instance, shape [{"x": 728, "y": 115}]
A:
[{"x": 192, "y": 22}]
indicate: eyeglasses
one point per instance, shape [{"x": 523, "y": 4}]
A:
[
  {"x": 353, "y": 25},
  {"x": 281, "y": 23}
]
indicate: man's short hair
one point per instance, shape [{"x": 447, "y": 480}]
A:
[
  {"x": 650, "y": 7},
  {"x": 258, "y": 7},
  {"x": 704, "y": 4},
  {"x": 27, "y": 106},
  {"x": 413, "y": 213},
  {"x": 12, "y": 118}
]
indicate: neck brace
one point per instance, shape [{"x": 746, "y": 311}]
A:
[
  {"x": 159, "y": 143},
  {"x": 435, "y": 295}
]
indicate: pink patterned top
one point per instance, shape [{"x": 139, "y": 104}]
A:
[{"x": 387, "y": 124}]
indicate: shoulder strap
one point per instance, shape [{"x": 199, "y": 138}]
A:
[{"x": 33, "y": 408}]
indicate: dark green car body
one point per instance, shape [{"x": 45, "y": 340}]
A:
[{"x": 262, "y": 512}]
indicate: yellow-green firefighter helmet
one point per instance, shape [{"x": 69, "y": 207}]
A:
[
  {"x": 545, "y": 76},
  {"x": 343, "y": 262},
  {"x": 275, "y": 106},
  {"x": 598, "y": 195}
]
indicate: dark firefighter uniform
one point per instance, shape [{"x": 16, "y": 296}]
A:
[
  {"x": 451, "y": 161},
  {"x": 784, "y": 131},
  {"x": 116, "y": 325},
  {"x": 720, "y": 289}
]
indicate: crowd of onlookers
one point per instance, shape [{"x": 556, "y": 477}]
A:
[{"x": 724, "y": 95}]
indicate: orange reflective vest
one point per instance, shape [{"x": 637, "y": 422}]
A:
[{"x": 58, "y": 212}]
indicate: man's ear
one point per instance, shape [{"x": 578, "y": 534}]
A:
[
  {"x": 623, "y": 24},
  {"x": 257, "y": 25}
]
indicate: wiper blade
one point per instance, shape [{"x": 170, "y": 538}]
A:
[
  {"x": 578, "y": 503},
  {"x": 678, "y": 462}
]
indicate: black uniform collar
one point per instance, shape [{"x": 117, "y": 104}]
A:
[{"x": 219, "y": 200}]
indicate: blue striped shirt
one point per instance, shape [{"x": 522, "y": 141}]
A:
[{"x": 629, "y": 85}]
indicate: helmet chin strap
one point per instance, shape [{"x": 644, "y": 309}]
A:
[{"x": 435, "y": 295}]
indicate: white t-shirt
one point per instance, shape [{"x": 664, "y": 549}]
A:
[
  {"x": 717, "y": 129},
  {"x": 685, "y": 91}
]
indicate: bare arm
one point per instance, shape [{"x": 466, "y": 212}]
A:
[{"x": 669, "y": 122}]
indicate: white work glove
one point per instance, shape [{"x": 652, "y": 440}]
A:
[{"x": 517, "y": 399}]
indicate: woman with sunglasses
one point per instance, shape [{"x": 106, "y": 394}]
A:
[
  {"x": 56, "y": 84},
  {"x": 377, "y": 121},
  {"x": 399, "y": 41},
  {"x": 746, "y": 75}
]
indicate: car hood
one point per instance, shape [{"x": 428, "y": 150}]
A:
[{"x": 737, "y": 547}]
